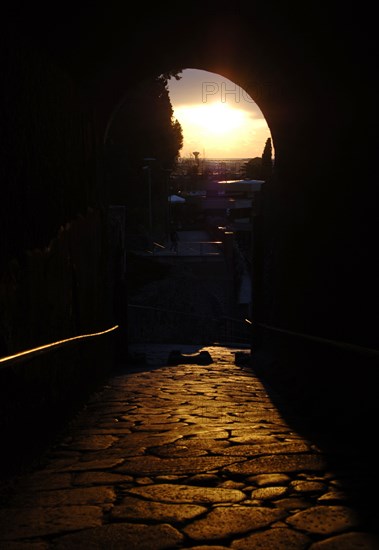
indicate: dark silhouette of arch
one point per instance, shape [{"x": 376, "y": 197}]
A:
[{"x": 317, "y": 231}]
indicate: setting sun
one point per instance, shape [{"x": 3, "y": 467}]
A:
[
  {"x": 212, "y": 120},
  {"x": 218, "y": 118}
]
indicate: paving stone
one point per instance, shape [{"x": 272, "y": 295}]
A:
[
  {"x": 348, "y": 541},
  {"x": 277, "y": 464},
  {"x": 202, "y": 448},
  {"x": 307, "y": 486},
  {"x": 273, "y": 539},
  {"x": 324, "y": 520},
  {"x": 87, "y": 495},
  {"x": 230, "y": 484},
  {"x": 293, "y": 503},
  {"x": 92, "y": 442},
  {"x": 224, "y": 522},
  {"x": 209, "y": 480},
  {"x": 121, "y": 537},
  {"x": 204, "y": 443},
  {"x": 152, "y": 465},
  {"x": 268, "y": 493},
  {"x": 135, "y": 508},
  {"x": 171, "y": 451},
  {"x": 100, "y": 478},
  {"x": 166, "y": 427},
  {"x": 204, "y": 432},
  {"x": 39, "y": 481},
  {"x": 164, "y": 492},
  {"x": 105, "y": 464},
  {"x": 254, "y": 438},
  {"x": 22, "y": 523},
  {"x": 263, "y": 480},
  {"x": 268, "y": 449},
  {"x": 333, "y": 496},
  {"x": 116, "y": 430}
]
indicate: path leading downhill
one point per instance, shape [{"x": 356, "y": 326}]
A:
[{"x": 183, "y": 456}]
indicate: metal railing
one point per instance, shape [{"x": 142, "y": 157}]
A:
[{"x": 52, "y": 346}]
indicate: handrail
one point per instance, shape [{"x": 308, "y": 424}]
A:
[
  {"x": 53, "y": 345},
  {"x": 318, "y": 339}
]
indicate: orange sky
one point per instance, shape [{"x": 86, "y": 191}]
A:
[{"x": 218, "y": 118}]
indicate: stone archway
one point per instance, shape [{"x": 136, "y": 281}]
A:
[{"x": 294, "y": 64}]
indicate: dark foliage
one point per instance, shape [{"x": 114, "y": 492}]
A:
[{"x": 143, "y": 127}]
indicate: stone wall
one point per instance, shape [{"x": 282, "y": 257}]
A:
[{"x": 53, "y": 229}]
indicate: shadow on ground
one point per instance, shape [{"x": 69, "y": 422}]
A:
[{"x": 338, "y": 413}]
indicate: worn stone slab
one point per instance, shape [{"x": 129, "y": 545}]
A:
[
  {"x": 263, "y": 480},
  {"x": 333, "y": 496},
  {"x": 105, "y": 464},
  {"x": 300, "y": 486},
  {"x": 277, "y": 464},
  {"x": 262, "y": 428},
  {"x": 204, "y": 443},
  {"x": 254, "y": 438},
  {"x": 269, "y": 449},
  {"x": 91, "y": 442},
  {"x": 231, "y": 484},
  {"x": 273, "y": 539},
  {"x": 172, "y": 451},
  {"x": 348, "y": 541},
  {"x": 324, "y": 520},
  {"x": 152, "y": 465},
  {"x": 166, "y": 492},
  {"x": 117, "y": 429},
  {"x": 39, "y": 481},
  {"x": 121, "y": 537},
  {"x": 151, "y": 416},
  {"x": 19, "y": 523},
  {"x": 144, "y": 440},
  {"x": 224, "y": 522},
  {"x": 269, "y": 493},
  {"x": 208, "y": 480},
  {"x": 293, "y": 504},
  {"x": 66, "y": 497},
  {"x": 137, "y": 509},
  {"x": 100, "y": 478},
  {"x": 166, "y": 427},
  {"x": 204, "y": 430}
]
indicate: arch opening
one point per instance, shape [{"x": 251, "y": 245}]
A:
[{"x": 208, "y": 202}]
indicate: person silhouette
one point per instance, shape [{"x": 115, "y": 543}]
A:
[{"x": 174, "y": 240}]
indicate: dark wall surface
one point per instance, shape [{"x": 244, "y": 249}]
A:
[{"x": 319, "y": 221}]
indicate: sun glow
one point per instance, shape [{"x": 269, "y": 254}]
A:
[
  {"x": 212, "y": 120},
  {"x": 222, "y": 130},
  {"x": 218, "y": 117}
]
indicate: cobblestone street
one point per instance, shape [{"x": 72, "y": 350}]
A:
[{"x": 183, "y": 456}]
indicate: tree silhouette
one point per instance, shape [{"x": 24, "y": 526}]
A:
[
  {"x": 259, "y": 168},
  {"x": 267, "y": 160},
  {"x": 144, "y": 126}
]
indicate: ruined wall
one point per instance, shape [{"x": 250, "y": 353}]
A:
[
  {"x": 48, "y": 150},
  {"x": 53, "y": 229},
  {"x": 59, "y": 291}
]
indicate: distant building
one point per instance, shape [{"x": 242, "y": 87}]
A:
[{"x": 231, "y": 202}]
